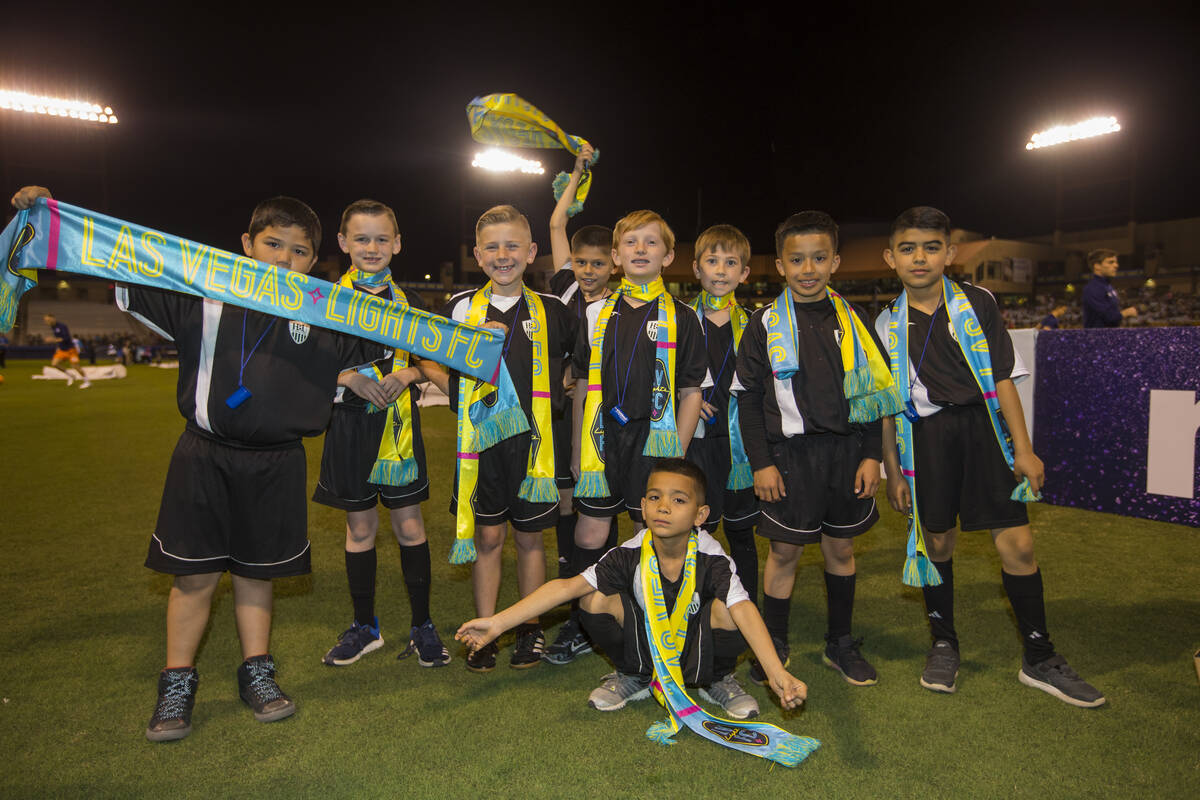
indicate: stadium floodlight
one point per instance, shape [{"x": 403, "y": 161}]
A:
[
  {"x": 495, "y": 160},
  {"x": 81, "y": 110},
  {"x": 1061, "y": 134}
]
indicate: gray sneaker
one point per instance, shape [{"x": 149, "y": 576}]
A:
[
  {"x": 1054, "y": 676},
  {"x": 941, "y": 668},
  {"x": 729, "y": 695},
  {"x": 616, "y": 689}
]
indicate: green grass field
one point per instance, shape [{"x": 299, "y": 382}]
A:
[{"x": 83, "y": 625}]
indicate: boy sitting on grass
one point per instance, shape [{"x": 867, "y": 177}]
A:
[{"x": 672, "y": 567}]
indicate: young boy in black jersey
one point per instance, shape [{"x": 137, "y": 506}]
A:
[
  {"x": 583, "y": 269},
  {"x": 374, "y": 450},
  {"x": 251, "y": 386},
  {"x": 815, "y": 470},
  {"x": 639, "y": 364},
  {"x": 614, "y": 603},
  {"x": 961, "y": 469},
  {"x": 539, "y": 334},
  {"x": 723, "y": 263}
]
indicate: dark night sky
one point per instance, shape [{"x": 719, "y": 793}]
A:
[{"x": 713, "y": 112}]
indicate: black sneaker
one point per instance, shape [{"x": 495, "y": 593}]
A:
[
  {"x": 842, "y": 654},
  {"x": 356, "y": 642},
  {"x": 425, "y": 642},
  {"x": 257, "y": 686},
  {"x": 531, "y": 643},
  {"x": 758, "y": 675},
  {"x": 570, "y": 644},
  {"x": 172, "y": 717},
  {"x": 483, "y": 659},
  {"x": 1054, "y": 676},
  {"x": 941, "y": 668}
]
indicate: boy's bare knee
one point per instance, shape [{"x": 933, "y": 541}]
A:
[
  {"x": 784, "y": 554},
  {"x": 528, "y": 542},
  {"x": 197, "y": 584},
  {"x": 941, "y": 545}
]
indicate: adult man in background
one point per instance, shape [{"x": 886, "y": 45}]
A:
[{"x": 1101, "y": 304}]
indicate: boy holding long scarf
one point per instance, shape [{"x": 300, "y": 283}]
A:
[
  {"x": 668, "y": 609},
  {"x": 583, "y": 267},
  {"x": 250, "y": 386},
  {"x": 960, "y": 450},
  {"x": 723, "y": 263},
  {"x": 374, "y": 452},
  {"x": 514, "y": 480},
  {"x": 641, "y": 353},
  {"x": 812, "y": 385}
]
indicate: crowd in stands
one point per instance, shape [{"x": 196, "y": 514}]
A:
[{"x": 1155, "y": 309}]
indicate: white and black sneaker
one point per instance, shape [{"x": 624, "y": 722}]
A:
[
  {"x": 172, "y": 718},
  {"x": 570, "y": 643},
  {"x": 617, "y": 689},
  {"x": 941, "y": 668},
  {"x": 1055, "y": 677}
]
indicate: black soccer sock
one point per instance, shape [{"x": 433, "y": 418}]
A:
[
  {"x": 1029, "y": 606},
  {"x": 744, "y": 553},
  {"x": 564, "y": 531},
  {"x": 939, "y": 604},
  {"x": 775, "y": 614},
  {"x": 611, "y": 542},
  {"x": 727, "y": 646},
  {"x": 581, "y": 559},
  {"x": 608, "y": 637},
  {"x": 414, "y": 562},
  {"x": 360, "y": 574},
  {"x": 839, "y": 599}
]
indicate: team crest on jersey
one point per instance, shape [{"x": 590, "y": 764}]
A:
[
  {"x": 652, "y": 330},
  {"x": 693, "y": 606},
  {"x": 660, "y": 393},
  {"x": 953, "y": 333},
  {"x": 837, "y": 336},
  {"x": 299, "y": 331},
  {"x": 530, "y": 328},
  {"x": 735, "y": 733}
]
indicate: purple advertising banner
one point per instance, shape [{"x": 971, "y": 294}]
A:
[{"x": 1116, "y": 419}]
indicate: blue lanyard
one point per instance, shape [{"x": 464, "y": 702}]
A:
[
  {"x": 246, "y": 358},
  {"x": 651, "y": 305},
  {"x": 717, "y": 380},
  {"x": 921, "y": 360}
]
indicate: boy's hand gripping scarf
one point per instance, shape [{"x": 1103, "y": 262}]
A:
[
  {"x": 479, "y": 429},
  {"x": 663, "y": 441},
  {"x": 666, "y": 633},
  {"x": 395, "y": 465},
  {"x": 508, "y": 120},
  {"x": 918, "y": 568},
  {"x": 867, "y": 383},
  {"x": 740, "y": 474},
  {"x": 56, "y": 236}
]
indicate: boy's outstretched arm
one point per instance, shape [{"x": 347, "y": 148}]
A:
[
  {"x": 791, "y": 690},
  {"x": 1025, "y": 463},
  {"x": 560, "y": 246},
  {"x": 897, "y": 486},
  {"x": 436, "y": 374},
  {"x": 478, "y": 632}
]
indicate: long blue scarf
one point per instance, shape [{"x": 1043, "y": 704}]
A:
[
  {"x": 666, "y": 631},
  {"x": 58, "y": 236},
  {"x": 918, "y": 568}
]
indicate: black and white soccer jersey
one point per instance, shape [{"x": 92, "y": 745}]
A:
[
  {"x": 290, "y": 369},
  {"x": 385, "y": 364},
  {"x": 812, "y": 401},
  {"x": 944, "y": 378},
  {"x": 631, "y": 374},
  {"x": 722, "y": 364},
  {"x": 619, "y": 571},
  {"x": 518, "y": 344}
]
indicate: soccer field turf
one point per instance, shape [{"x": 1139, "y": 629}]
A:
[{"x": 83, "y": 625}]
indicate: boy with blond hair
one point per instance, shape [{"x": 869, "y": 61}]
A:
[{"x": 515, "y": 480}]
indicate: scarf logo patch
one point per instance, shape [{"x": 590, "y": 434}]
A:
[
  {"x": 661, "y": 391},
  {"x": 598, "y": 434},
  {"x": 734, "y": 733},
  {"x": 299, "y": 331}
]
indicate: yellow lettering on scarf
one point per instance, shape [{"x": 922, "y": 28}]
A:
[
  {"x": 457, "y": 337},
  {"x": 124, "y": 252},
  {"x": 241, "y": 282},
  {"x": 435, "y": 345},
  {"x": 215, "y": 267},
  {"x": 85, "y": 255},
  {"x": 393, "y": 321},
  {"x": 268, "y": 288},
  {"x": 191, "y": 264},
  {"x": 295, "y": 282},
  {"x": 368, "y": 314},
  {"x": 330, "y": 310},
  {"x": 470, "y": 360},
  {"x": 412, "y": 329},
  {"x": 156, "y": 268}
]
